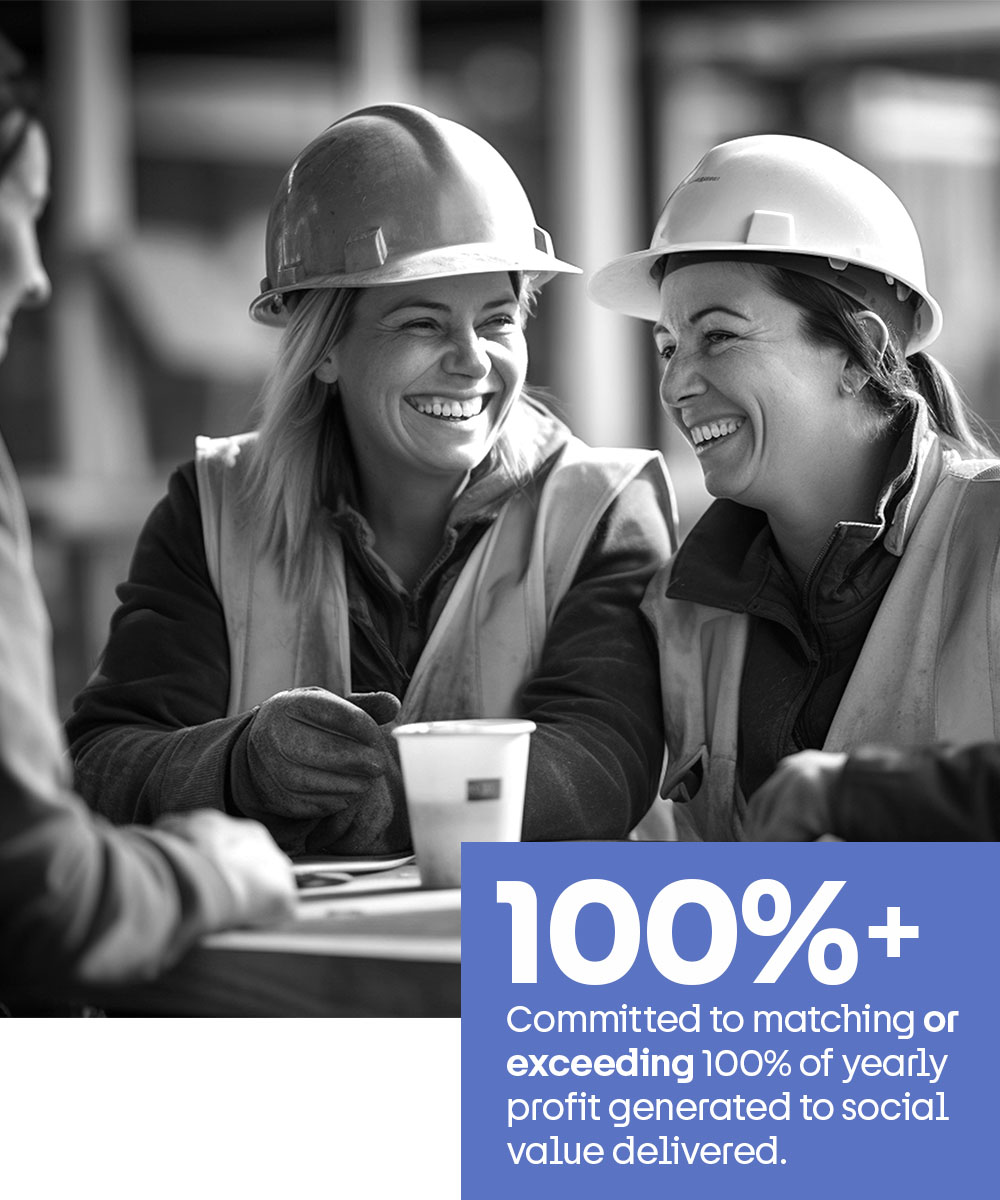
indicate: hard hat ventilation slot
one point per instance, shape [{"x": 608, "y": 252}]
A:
[
  {"x": 365, "y": 250},
  {"x": 771, "y": 229},
  {"x": 288, "y": 274}
]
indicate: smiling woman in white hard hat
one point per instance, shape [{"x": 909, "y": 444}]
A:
[
  {"x": 840, "y": 591},
  {"x": 408, "y": 535},
  {"x": 82, "y": 904}
]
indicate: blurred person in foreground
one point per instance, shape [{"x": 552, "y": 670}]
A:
[
  {"x": 829, "y": 631},
  {"x": 82, "y": 903},
  {"x": 409, "y": 535}
]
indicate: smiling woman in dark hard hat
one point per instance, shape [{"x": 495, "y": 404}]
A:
[
  {"x": 840, "y": 590},
  {"x": 409, "y": 535},
  {"x": 81, "y": 903}
]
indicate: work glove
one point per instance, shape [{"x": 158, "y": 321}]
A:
[
  {"x": 796, "y": 803},
  {"x": 320, "y": 771}
]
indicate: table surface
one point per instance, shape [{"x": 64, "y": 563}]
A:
[{"x": 378, "y": 946}]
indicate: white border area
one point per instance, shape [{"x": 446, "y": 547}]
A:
[{"x": 116, "y": 1109}]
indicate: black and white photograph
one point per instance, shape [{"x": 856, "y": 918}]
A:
[{"x": 427, "y": 422}]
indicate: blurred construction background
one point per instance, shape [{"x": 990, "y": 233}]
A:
[{"x": 173, "y": 120}]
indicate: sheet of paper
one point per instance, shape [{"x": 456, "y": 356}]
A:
[{"x": 385, "y": 915}]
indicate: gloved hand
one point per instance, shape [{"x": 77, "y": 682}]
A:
[
  {"x": 318, "y": 770},
  {"x": 796, "y": 803},
  {"x": 259, "y": 877}
]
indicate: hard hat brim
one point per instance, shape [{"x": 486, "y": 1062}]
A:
[
  {"x": 432, "y": 264},
  {"x": 625, "y": 285}
]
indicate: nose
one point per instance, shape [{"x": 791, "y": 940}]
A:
[
  {"x": 38, "y": 291},
  {"x": 681, "y": 381},
  {"x": 466, "y": 355},
  {"x": 37, "y": 287}
]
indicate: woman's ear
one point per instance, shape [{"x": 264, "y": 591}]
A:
[
  {"x": 876, "y": 329},
  {"x": 326, "y": 372},
  {"x": 854, "y": 377}
]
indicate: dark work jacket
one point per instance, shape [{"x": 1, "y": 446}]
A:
[{"x": 155, "y": 708}]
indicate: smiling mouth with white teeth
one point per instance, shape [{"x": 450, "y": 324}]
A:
[
  {"x": 445, "y": 409},
  {"x": 703, "y": 437}
]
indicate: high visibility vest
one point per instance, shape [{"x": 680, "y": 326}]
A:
[
  {"x": 487, "y": 642},
  {"x": 928, "y": 672}
]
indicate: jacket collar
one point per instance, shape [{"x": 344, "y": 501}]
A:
[
  {"x": 924, "y": 464},
  {"x": 530, "y": 438}
]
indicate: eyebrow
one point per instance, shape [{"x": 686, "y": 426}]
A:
[
  {"x": 704, "y": 312},
  {"x": 439, "y": 306}
]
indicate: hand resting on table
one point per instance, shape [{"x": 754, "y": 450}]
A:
[{"x": 258, "y": 876}]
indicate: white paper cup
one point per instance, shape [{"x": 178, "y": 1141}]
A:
[{"x": 464, "y": 782}]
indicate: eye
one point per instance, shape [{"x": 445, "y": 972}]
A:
[
  {"x": 716, "y": 337},
  {"x": 666, "y": 352},
  {"x": 420, "y": 325},
  {"x": 501, "y": 323}
]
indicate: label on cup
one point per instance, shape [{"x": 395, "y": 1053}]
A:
[{"x": 482, "y": 789}]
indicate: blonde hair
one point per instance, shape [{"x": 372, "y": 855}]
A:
[
  {"x": 301, "y": 436},
  {"x": 289, "y": 468}
]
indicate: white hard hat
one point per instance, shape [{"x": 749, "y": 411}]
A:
[
  {"x": 778, "y": 195},
  {"x": 390, "y": 194}
]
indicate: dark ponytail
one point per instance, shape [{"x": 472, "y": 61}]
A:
[{"x": 948, "y": 410}]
